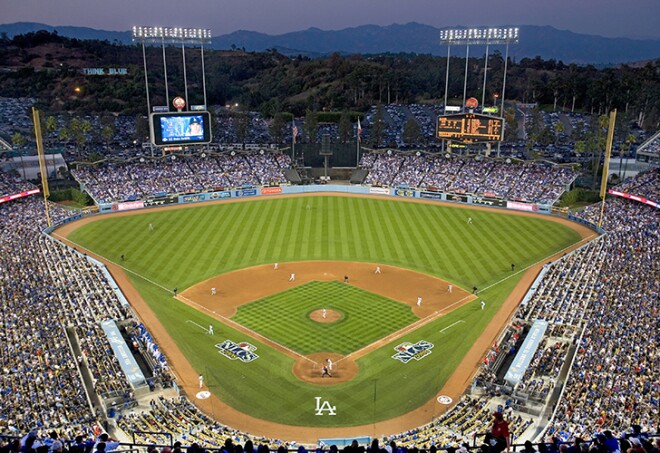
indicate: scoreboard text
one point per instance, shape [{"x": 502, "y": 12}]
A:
[{"x": 470, "y": 128}]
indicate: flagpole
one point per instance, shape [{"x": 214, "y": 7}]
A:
[
  {"x": 293, "y": 142},
  {"x": 357, "y": 143}
]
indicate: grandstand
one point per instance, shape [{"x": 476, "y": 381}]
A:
[{"x": 595, "y": 370}]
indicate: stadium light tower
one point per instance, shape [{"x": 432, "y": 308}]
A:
[
  {"x": 487, "y": 36},
  {"x": 172, "y": 35},
  {"x": 474, "y": 36}
]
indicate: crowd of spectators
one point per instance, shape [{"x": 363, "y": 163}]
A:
[
  {"x": 135, "y": 179},
  {"x": 11, "y": 183},
  {"x": 614, "y": 380},
  {"x": 477, "y": 175},
  {"x": 50, "y": 296},
  {"x": 646, "y": 184},
  {"x": 603, "y": 297}
]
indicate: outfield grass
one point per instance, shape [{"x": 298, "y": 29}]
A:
[
  {"x": 191, "y": 245},
  {"x": 365, "y": 317}
]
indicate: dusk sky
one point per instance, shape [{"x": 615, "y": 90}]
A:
[{"x": 612, "y": 18}]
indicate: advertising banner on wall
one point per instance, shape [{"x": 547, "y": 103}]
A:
[
  {"x": 160, "y": 201},
  {"x": 194, "y": 198},
  {"x": 486, "y": 201},
  {"x": 379, "y": 190},
  {"x": 404, "y": 192},
  {"x": 127, "y": 206},
  {"x": 245, "y": 192},
  {"x": 271, "y": 190},
  {"x": 431, "y": 195},
  {"x": 457, "y": 197},
  {"x": 522, "y": 206}
]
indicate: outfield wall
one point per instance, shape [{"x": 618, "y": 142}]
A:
[{"x": 401, "y": 192}]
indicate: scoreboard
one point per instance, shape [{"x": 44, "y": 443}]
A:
[{"x": 470, "y": 128}]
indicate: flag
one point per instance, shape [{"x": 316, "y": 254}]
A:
[
  {"x": 359, "y": 130},
  {"x": 295, "y": 132}
]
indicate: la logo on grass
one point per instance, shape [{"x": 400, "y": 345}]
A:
[{"x": 325, "y": 406}]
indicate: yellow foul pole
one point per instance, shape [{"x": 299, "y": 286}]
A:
[
  {"x": 43, "y": 169},
  {"x": 606, "y": 164}
]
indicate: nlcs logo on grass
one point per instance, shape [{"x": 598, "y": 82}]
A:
[
  {"x": 408, "y": 351},
  {"x": 242, "y": 351}
]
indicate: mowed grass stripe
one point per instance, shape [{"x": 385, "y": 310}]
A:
[
  {"x": 370, "y": 221},
  {"x": 366, "y": 317},
  {"x": 274, "y": 392}
]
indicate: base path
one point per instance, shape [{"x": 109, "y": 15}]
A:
[
  {"x": 221, "y": 296},
  {"x": 187, "y": 377}
]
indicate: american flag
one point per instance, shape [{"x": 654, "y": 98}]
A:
[{"x": 359, "y": 130}]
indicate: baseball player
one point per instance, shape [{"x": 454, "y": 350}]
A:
[
  {"x": 276, "y": 266},
  {"x": 292, "y": 277},
  {"x": 419, "y": 301},
  {"x": 469, "y": 220},
  {"x": 329, "y": 364},
  {"x": 450, "y": 288},
  {"x": 324, "y": 313},
  {"x": 483, "y": 304},
  {"x": 210, "y": 329},
  {"x": 212, "y": 291},
  {"x": 325, "y": 371},
  {"x": 377, "y": 270},
  {"x": 201, "y": 381}
]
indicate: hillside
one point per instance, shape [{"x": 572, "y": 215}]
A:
[{"x": 543, "y": 41}]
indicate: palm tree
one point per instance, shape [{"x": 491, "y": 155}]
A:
[
  {"x": 630, "y": 139},
  {"x": 19, "y": 141}
]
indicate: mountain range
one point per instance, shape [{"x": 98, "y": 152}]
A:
[{"x": 543, "y": 41}]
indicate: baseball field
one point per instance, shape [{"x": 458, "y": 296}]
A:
[{"x": 394, "y": 338}]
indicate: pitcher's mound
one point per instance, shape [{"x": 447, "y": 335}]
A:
[{"x": 330, "y": 316}]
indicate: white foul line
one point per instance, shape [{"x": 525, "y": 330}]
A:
[
  {"x": 201, "y": 327},
  {"x": 452, "y": 325}
]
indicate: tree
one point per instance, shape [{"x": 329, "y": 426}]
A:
[
  {"x": 597, "y": 146},
  {"x": 79, "y": 130},
  {"x": 311, "y": 126},
  {"x": 345, "y": 127},
  {"x": 50, "y": 126},
  {"x": 277, "y": 128},
  {"x": 107, "y": 133},
  {"x": 18, "y": 140},
  {"x": 510, "y": 125},
  {"x": 141, "y": 128},
  {"x": 242, "y": 126},
  {"x": 630, "y": 139},
  {"x": 411, "y": 132},
  {"x": 378, "y": 127},
  {"x": 559, "y": 129}
]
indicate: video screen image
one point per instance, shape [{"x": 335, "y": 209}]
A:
[{"x": 182, "y": 128}]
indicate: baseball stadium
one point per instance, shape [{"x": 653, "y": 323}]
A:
[
  {"x": 321, "y": 316},
  {"x": 319, "y": 296}
]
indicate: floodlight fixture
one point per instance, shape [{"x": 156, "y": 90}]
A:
[
  {"x": 171, "y": 35},
  {"x": 467, "y": 36}
]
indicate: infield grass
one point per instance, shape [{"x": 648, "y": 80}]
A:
[
  {"x": 365, "y": 317},
  {"x": 191, "y": 245}
]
